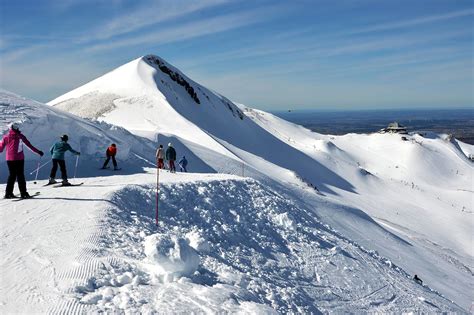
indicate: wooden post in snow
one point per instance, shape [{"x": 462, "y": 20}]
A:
[{"x": 157, "y": 192}]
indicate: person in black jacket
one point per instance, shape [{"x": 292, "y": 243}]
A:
[
  {"x": 418, "y": 280},
  {"x": 171, "y": 157}
]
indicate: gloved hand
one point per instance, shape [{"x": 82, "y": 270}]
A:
[
  {"x": 78, "y": 153},
  {"x": 41, "y": 153}
]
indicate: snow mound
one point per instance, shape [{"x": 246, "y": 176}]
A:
[
  {"x": 171, "y": 256},
  {"x": 326, "y": 146},
  {"x": 258, "y": 257}
]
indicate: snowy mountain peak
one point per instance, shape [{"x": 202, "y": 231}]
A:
[{"x": 156, "y": 82}]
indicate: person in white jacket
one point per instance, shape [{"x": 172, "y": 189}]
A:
[{"x": 160, "y": 156}]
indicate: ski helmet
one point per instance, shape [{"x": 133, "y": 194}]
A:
[
  {"x": 169, "y": 144},
  {"x": 15, "y": 126},
  {"x": 65, "y": 138}
]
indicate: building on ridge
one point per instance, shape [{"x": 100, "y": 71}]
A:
[{"x": 394, "y": 127}]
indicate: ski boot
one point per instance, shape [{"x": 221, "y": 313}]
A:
[
  {"x": 52, "y": 181},
  {"x": 25, "y": 195},
  {"x": 66, "y": 183},
  {"x": 10, "y": 196}
]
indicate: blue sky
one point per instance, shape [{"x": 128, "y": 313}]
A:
[{"x": 343, "y": 54}]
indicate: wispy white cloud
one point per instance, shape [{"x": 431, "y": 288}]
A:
[
  {"x": 16, "y": 54},
  {"x": 64, "y": 5},
  {"x": 412, "y": 22},
  {"x": 150, "y": 13},
  {"x": 295, "y": 55},
  {"x": 189, "y": 30}
]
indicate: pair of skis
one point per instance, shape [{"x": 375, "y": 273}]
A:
[
  {"x": 38, "y": 193},
  {"x": 30, "y": 197},
  {"x": 108, "y": 168},
  {"x": 57, "y": 185}
]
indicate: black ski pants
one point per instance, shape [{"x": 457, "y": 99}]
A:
[
  {"x": 108, "y": 159},
  {"x": 62, "y": 167},
  {"x": 17, "y": 173}
]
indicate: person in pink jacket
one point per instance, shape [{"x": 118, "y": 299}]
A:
[{"x": 13, "y": 143}]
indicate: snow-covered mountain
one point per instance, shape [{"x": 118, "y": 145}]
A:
[
  {"x": 421, "y": 187},
  {"x": 305, "y": 222}
]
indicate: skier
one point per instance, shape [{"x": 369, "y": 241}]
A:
[
  {"x": 57, "y": 152},
  {"x": 110, "y": 153},
  {"x": 182, "y": 164},
  {"x": 418, "y": 280},
  {"x": 159, "y": 157},
  {"x": 171, "y": 157},
  {"x": 13, "y": 143}
]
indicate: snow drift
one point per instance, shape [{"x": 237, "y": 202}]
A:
[
  {"x": 43, "y": 125},
  {"x": 265, "y": 254}
]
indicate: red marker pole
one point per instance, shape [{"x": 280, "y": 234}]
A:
[{"x": 157, "y": 191}]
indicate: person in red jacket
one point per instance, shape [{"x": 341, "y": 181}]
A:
[
  {"x": 111, "y": 152},
  {"x": 13, "y": 143}
]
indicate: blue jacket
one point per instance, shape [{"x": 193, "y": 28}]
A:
[
  {"x": 59, "y": 148},
  {"x": 183, "y": 162}
]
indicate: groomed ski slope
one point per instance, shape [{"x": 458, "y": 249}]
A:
[{"x": 224, "y": 244}]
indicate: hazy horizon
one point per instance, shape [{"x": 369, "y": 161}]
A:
[{"x": 401, "y": 108}]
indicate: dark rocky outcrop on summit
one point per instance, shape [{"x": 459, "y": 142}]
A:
[{"x": 176, "y": 77}]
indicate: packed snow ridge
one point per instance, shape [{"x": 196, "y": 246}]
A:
[{"x": 272, "y": 218}]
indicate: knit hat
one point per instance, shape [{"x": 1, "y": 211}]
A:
[
  {"x": 15, "y": 126},
  {"x": 65, "y": 138}
]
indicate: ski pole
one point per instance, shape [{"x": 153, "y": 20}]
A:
[
  {"x": 75, "y": 168},
  {"x": 157, "y": 193},
  {"x": 40, "y": 167},
  {"x": 37, "y": 170}
]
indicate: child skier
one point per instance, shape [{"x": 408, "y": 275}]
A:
[
  {"x": 110, "y": 153},
  {"x": 171, "y": 157},
  {"x": 13, "y": 143},
  {"x": 57, "y": 152},
  {"x": 160, "y": 156},
  {"x": 182, "y": 164}
]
